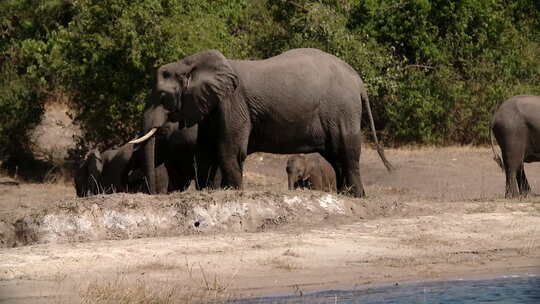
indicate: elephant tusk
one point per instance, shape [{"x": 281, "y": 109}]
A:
[
  {"x": 188, "y": 81},
  {"x": 144, "y": 138}
]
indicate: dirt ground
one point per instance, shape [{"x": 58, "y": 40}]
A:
[{"x": 441, "y": 215}]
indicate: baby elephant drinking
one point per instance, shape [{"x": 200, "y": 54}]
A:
[{"x": 310, "y": 171}]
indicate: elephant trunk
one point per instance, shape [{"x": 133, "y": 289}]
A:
[
  {"x": 154, "y": 118},
  {"x": 149, "y": 164}
]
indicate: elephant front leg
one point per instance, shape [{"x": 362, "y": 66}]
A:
[
  {"x": 205, "y": 165},
  {"x": 231, "y": 165},
  {"x": 232, "y": 174},
  {"x": 347, "y": 169},
  {"x": 316, "y": 182},
  {"x": 231, "y": 157}
]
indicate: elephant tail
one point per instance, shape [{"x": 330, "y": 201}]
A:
[
  {"x": 496, "y": 157},
  {"x": 380, "y": 150}
]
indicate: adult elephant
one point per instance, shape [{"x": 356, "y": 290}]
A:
[
  {"x": 310, "y": 171},
  {"x": 115, "y": 170},
  {"x": 175, "y": 148},
  {"x": 516, "y": 126},
  {"x": 301, "y": 101}
]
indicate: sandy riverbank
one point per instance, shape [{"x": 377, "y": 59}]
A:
[{"x": 436, "y": 218}]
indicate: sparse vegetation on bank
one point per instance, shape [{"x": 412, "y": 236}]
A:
[{"x": 434, "y": 218}]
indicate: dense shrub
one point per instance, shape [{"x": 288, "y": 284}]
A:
[
  {"x": 435, "y": 69},
  {"x": 112, "y": 48},
  {"x": 468, "y": 56},
  {"x": 25, "y": 79},
  {"x": 20, "y": 109}
]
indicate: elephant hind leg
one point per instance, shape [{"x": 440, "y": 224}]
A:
[
  {"x": 347, "y": 168},
  {"x": 353, "y": 180},
  {"x": 523, "y": 184},
  {"x": 512, "y": 166},
  {"x": 350, "y": 157},
  {"x": 511, "y": 184},
  {"x": 512, "y": 139}
]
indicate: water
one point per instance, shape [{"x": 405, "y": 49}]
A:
[{"x": 511, "y": 290}]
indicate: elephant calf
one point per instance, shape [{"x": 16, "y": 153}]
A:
[
  {"x": 115, "y": 170},
  {"x": 310, "y": 171},
  {"x": 516, "y": 126}
]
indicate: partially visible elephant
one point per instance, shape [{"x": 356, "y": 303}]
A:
[
  {"x": 175, "y": 147},
  {"x": 115, "y": 170},
  {"x": 516, "y": 126},
  {"x": 301, "y": 101},
  {"x": 310, "y": 171}
]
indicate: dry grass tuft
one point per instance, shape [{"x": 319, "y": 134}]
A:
[
  {"x": 201, "y": 287},
  {"x": 213, "y": 284},
  {"x": 284, "y": 264},
  {"x": 158, "y": 266},
  {"x": 291, "y": 253},
  {"x": 400, "y": 261},
  {"x": 531, "y": 244},
  {"x": 482, "y": 207},
  {"x": 123, "y": 291},
  {"x": 426, "y": 240}
]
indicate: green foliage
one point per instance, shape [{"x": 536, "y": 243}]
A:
[
  {"x": 324, "y": 25},
  {"x": 469, "y": 55},
  {"x": 112, "y": 48},
  {"x": 20, "y": 109},
  {"x": 25, "y": 79},
  {"x": 435, "y": 69}
]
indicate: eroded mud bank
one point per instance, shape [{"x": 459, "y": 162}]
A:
[{"x": 127, "y": 216}]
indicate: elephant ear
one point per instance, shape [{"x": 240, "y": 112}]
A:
[{"x": 210, "y": 81}]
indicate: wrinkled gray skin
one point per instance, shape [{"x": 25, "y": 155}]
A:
[
  {"x": 115, "y": 170},
  {"x": 310, "y": 171},
  {"x": 516, "y": 126},
  {"x": 119, "y": 170},
  {"x": 301, "y": 101},
  {"x": 175, "y": 148}
]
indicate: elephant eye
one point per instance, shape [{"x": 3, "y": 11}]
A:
[{"x": 166, "y": 74}]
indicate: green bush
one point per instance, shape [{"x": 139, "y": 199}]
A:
[
  {"x": 435, "y": 70},
  {"x": 20, "y": 109},
  {"x": 25, "y": 78},
  {"x": 112, "y": 48},
  {"x": 468, "y": 57}
]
